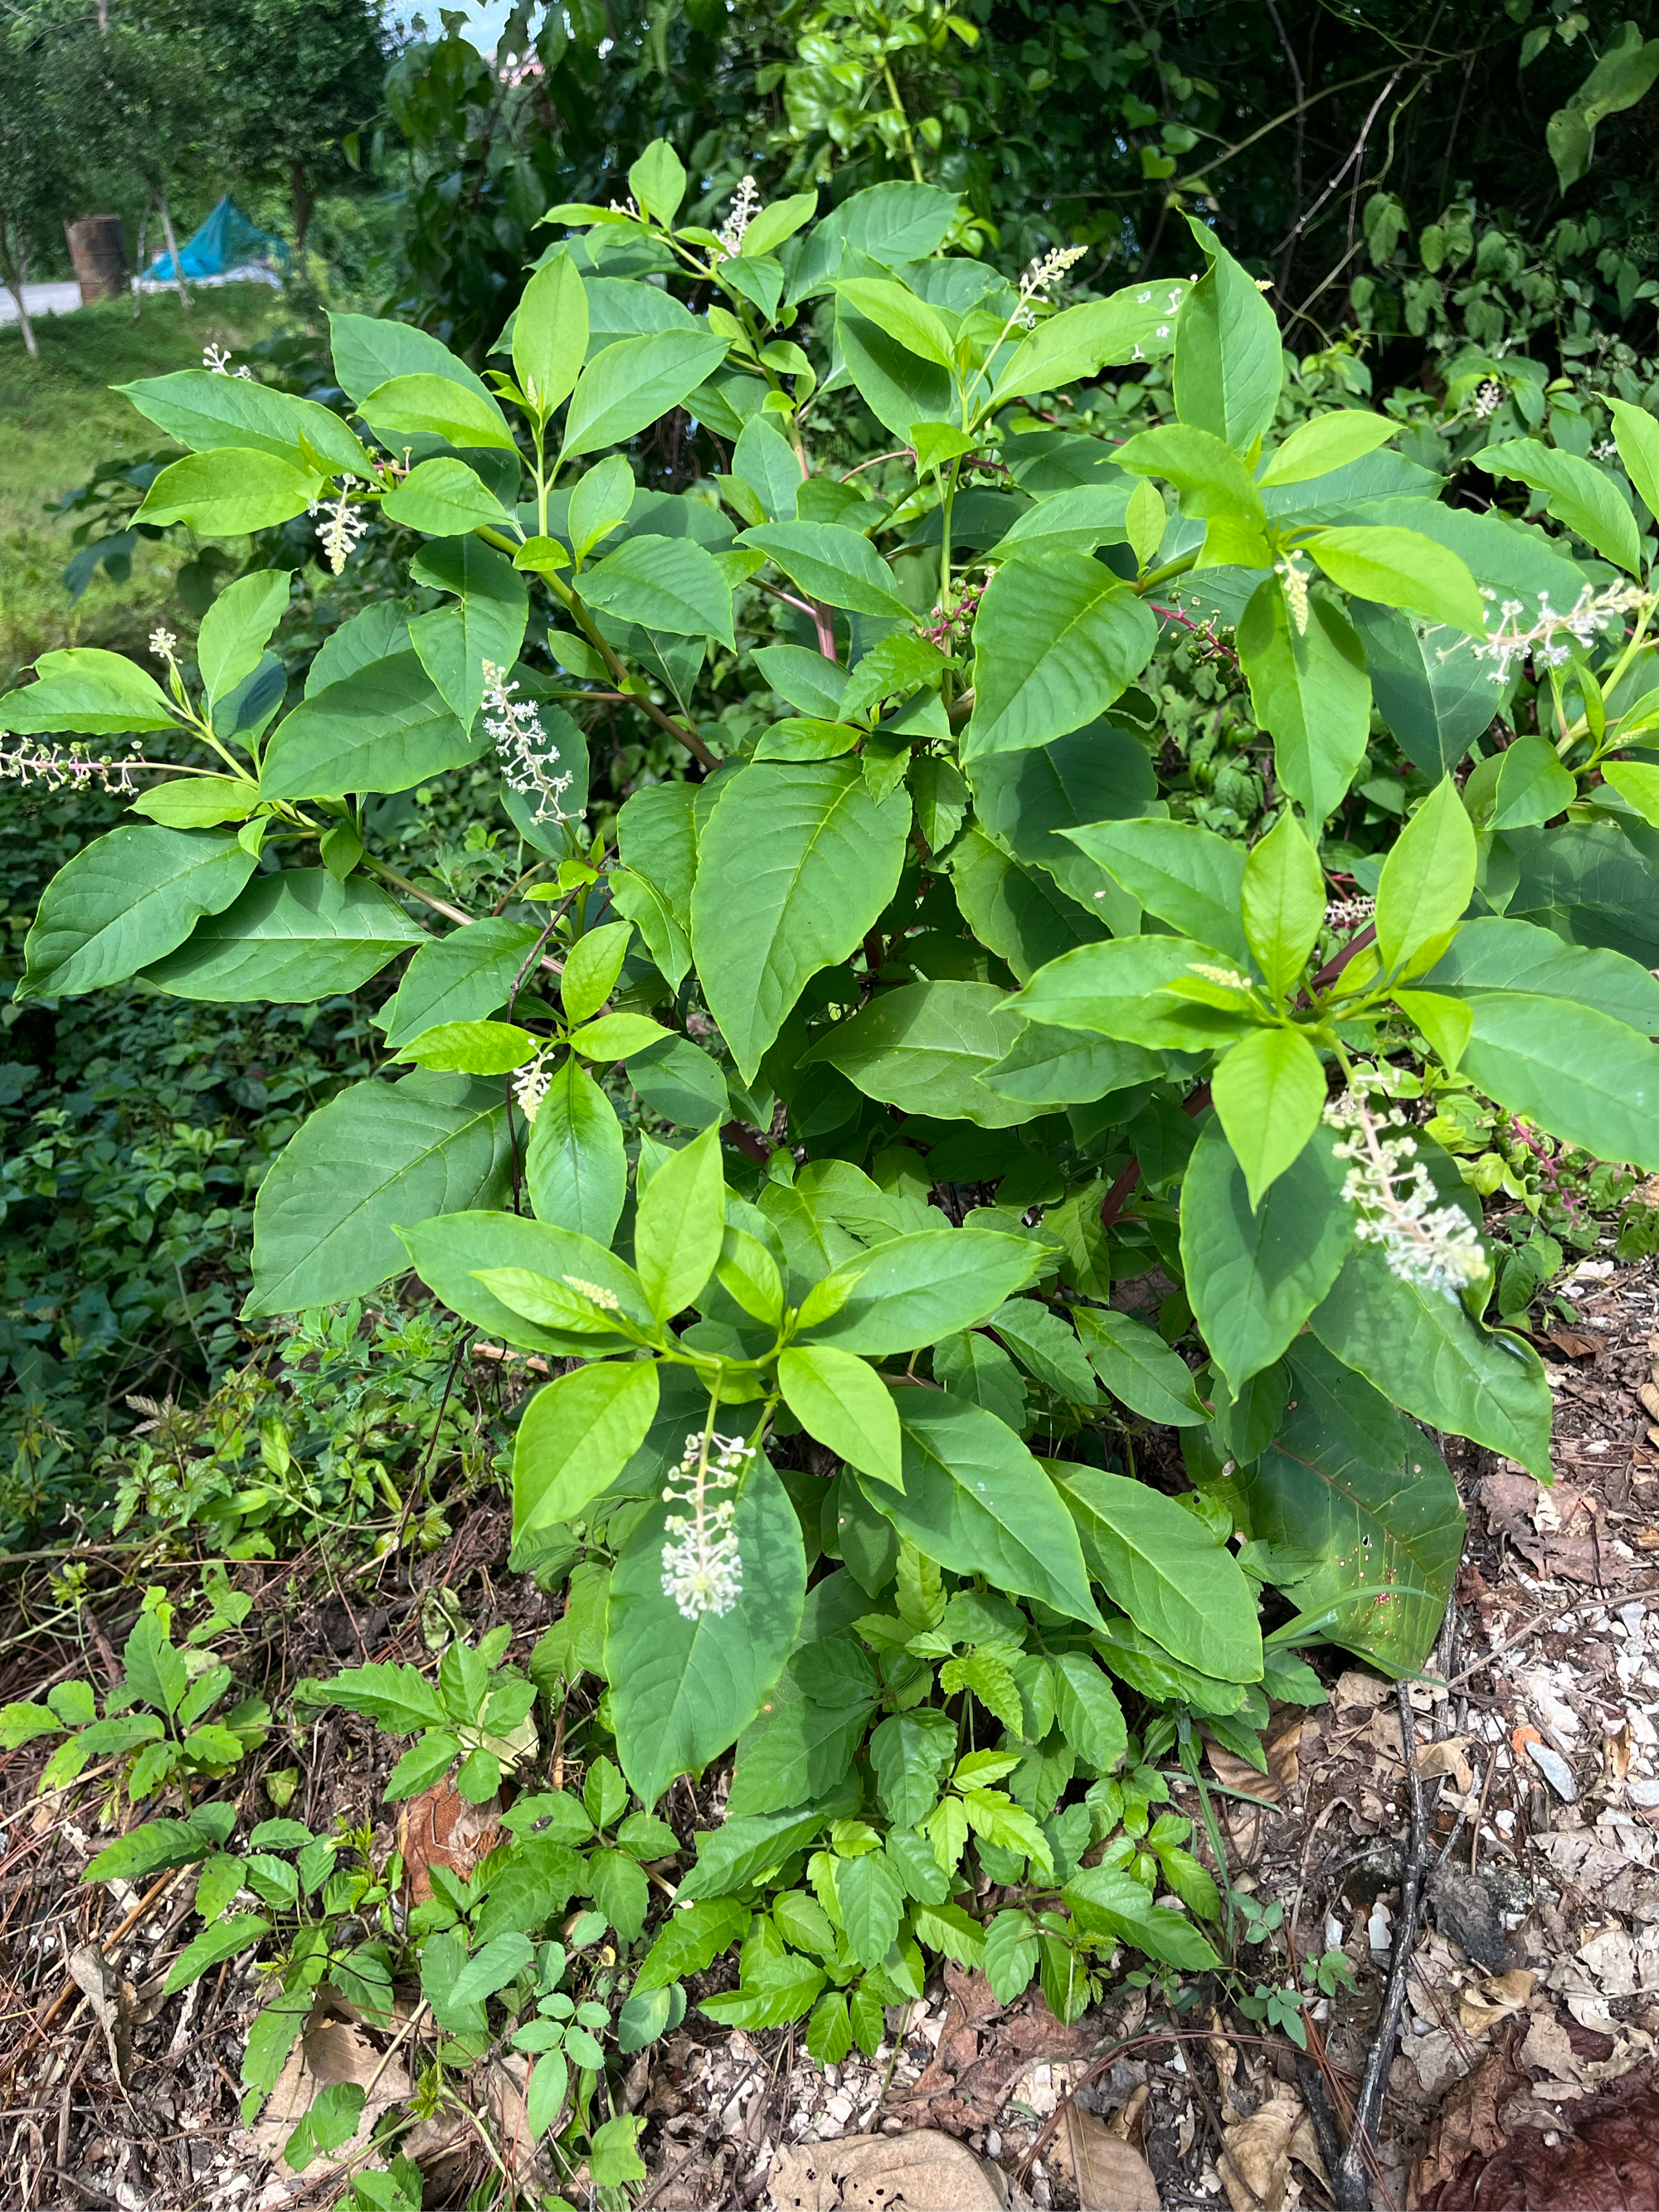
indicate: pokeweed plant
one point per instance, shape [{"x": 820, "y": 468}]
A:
[{"x": 953, "y": 1023}]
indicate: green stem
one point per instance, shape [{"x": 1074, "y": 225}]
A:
[{"x": 904, "y": 120}]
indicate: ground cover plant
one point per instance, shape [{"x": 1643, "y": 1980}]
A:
[{"x": 881, "y": 1132}]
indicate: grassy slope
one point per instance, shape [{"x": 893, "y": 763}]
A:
[{"x": 59, "y": 418}]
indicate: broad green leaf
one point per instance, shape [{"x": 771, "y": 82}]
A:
[
  {"x": 439, "y": 406},
  {"x": 1229, "y": 362},
  {"x": 1044, "y": 1343},
  {"x": 1402, "y": 569},
  {"x": 443, "y": 498},
  {"x": 473, "y": 1048},
  {"x": 1309, "y": 690},
  {"x": 1579, "y": 495},
  {"x": 680, "y": 1081},
  {"x": 1635, "y": 433},
  {"x": 629, "y": 386},
  {"x": 1495, "y": 954},
  {"x": 616, "y": 1036},
  {"x": 325, "y": 1222},
  {"x": 1056, "y": 638},
  {"x": 1090, "y": 514},
  {"x": 1635, "y": 780},
  {"x": 872, "y": 1899},
  {"x": 1172, "y": 1575},
  {"x": 381, "y": 630},
  {"x": 158, "y": 1845},
  {"x": 1425, "y": 884},
  {"x": 202, "y": 411},
  {"x": 463, "y": 978},
  {"x": 452, "y": 1252},
  {"x": 670, "y": 584},
  {"x": 1269, "y": 1092},
  {"x": 1328, "y": 441},
  {"x": 1029, "y": 801},
  {"x": 1255, "y": 1274},
  {"x": 383, "y": 728},
  {"x": 1213, "y": 483},
  {"x": 591, "y": 969},
  {"x": 236, "y": 628},
  {"x": 1519, "y": 787},
  {"x": 972, "y": 1367},
  {"x": 801, "y": 1745},
  {"x": 1186, "y": 876},
  {"x": 367, "y": 351},
  {"x": 575, "y": 1167},
  {"x": 1137, "y": 324},
  {"x": 1091, "y": 1717},
  {"x": 919, "y": 328},
  {"x": 90, "y": 692},
  {"x": 490, "y": 1969},
  {"x": 898, "y": 386},
  {"x": 1010, "y": 1955},
  {"x": 1136, "y": 1365},
  {"x": 911, "y": 1290},
  {"x": 1283, "y": 902},
  {"x": 680, "y": 1224},
  {"x": 1573, "y": 1070},
  {"x": 764, "y": 459},
  {"x": 549, "y": 334},
  {"x": 1430, "y": 690},
  {"x": 923, "y": 1047},
  {"x": 1109, "y": 1901},
  {"x": 237, "y": 1931},
  {"x": 1445, "y": 1022},
  {"x": 1020, "y": 914},
  {"x": 125, "y": 900},
  {"x": 795, "y": 865},
  {"x": 683, "y": 1690},
  {"x": 1119, "y": 990},
  {"x": 829, "y": 2031},
  {"x": 657, "y": 835},
  {"x": 831, "y": 563},
  {"x": 228, "y": 492},
  {"x": 690, "y": 1939},
  {"x": 1362, "y": 1492},
  {"x": 291, "y": 938},
  {"x": 842, "y": 1402},
  {"x": 576, "y": 1435},
  {"x": 1419, "y": 1345},
  {"x": 976, "y": 1501},
  {"x": 910, "y": 1753}
]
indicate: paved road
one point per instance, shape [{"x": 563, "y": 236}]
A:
[{"x": 65, "y": 298}]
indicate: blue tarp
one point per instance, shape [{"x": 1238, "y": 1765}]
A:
[{"x": 225, "y": 240}]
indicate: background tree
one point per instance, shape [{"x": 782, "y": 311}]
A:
[{"x": 35, "y": 167}]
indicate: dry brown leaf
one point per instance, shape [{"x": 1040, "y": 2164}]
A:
[
  {"x": 1107, "y": 2174},
  {"x": 441, "y": 1828},
  {"x": 1356, "y": 1692},
  {"x": 1496, "y": 2000},
  {"x": 111, "y": 1998},
  {"x": 1604, "y": 2158},
  {"x": 1446, "y": 1757},
  {"x": 1256, "y": 2166},
  {"x": 328, "y": 2051},
  {"x": 926, "y": 2172}
]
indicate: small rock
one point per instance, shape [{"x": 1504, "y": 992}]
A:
[
  {"x": 1645, "y": 1794},
  {"x": 1555, "y": 1770}
]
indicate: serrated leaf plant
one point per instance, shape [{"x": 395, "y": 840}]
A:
[{"x": 904, "y": 1120}]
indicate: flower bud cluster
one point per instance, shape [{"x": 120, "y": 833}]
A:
[
  {"x": 701, "y": 1567},
  {"x": 1436, "y": 1247}
]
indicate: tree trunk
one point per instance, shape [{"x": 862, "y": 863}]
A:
[
  {"x": 14, "y": 274},
  {"x": 172, "y": 247},
  {"x": 304, "y": 201},
  {"x": 24, "y": 322},
  {"x": 138, "y": 264}
]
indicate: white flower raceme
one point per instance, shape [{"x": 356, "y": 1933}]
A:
[
  {"x": 595, "y": 1293},
  {"x": 72, "y": 768},
  {"x": 1434, "y": 1246},
  {"x": 1295, "y": 578},
  {"x": 216, "y": 358},
  {"x": 528, "y": 759},
  {"x": 161, "y": 642},
  {"x": 701, "y": 1566},
  {"x": 745, "y": 206},
  {"x": 1488, "y": 400},
  {"x": 1349, "y": 913},
  {"x": 341, "y": 527},
  {"x": 1545, "y": 640},
  {"x": 1228, "y": 978},
  {"x": 530, "y": 1086}
]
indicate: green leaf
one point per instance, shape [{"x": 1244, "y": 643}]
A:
[
  {"x": 1309, "y": 690},
  {"x": 201, "y": 411},
  {"x": 1118, "y": 989},
  {"x": 671, "y": 584},
  {"x": 485, "y": 623},
  {"x": 612, "y": 2158},
  {"x": 1137, "y": 324},
  {"x": 235, "y": 628},
  {"x": 829, "y": 2031},
  {"x": 473, "y": 1048},
  {"x": 913, "y": 1289},
  {"x": 796, "y": 864},
  {"x": 911, "y": 1753},
  {"x": 576, "y": 1437},
  {"x": 575, "y": 1167},
  {"x": 1425, "y": 884},
  {"x": 683, "y": 1690},
  {"x": 976, "y": 1501},
  {"x": 383, "y": 728},
  {"x": 1213, "y": 483},
  {"x": 437, "y": 405},
  {"x": 326, "y": 1221},
  {"x": 1255, "y": 1274},
  {"x": 680, "y": 1226},
  {"x": 1328, "y": 441},
  {"x": 842, "y": 1402},
  {"x": 452, "y": 1252},
  {"x": 1350, "y": 1483},
  {"x": 1020, "y": 914},
  {"x": 1430, "y": 690},
  {"x": 1420, "y": 1345},
  {"x": 1186, "y": 876},
  {"x": 898, "y": 387},
  {"x": 1107, "y": 1900},
  {"x": 620, "y": 1890},
  {"x": 550, "y": 333},
  {"x": 1402, "y": 569},
  {"x": 1579, "y": 495},
  {"x": 1635, "y": 433},
  {"x": 629, "y": 386},
  {"x": 831, "y": 563},
  {"x": 443, "y": 498},
  {"x": 1010, "y": 1955},
  {"x": 463, "y": 978},
  {"x": 1091, "y": 1717},
  {"x": 1046, "y": 1346},
  {"x": 228, "y": 493},
  {"x": 1573, "y": 1070},
  {"x": 155, "y": 1670},
  {"x": 894, "y": 308},
  {"x": 972, "y": 1367},
  {"x": 291, "y": 938},
  {"x": 156, "y": 1845},
  {"x": 1228, "y": 363},
  {"x": 125, "y": 900},
  {"x": 1269, "y": 1092},
  {"x": 490, "y": 1969},
  {"x": 1493, "y": 954},
  {"x": 872, "y": 1899},
  {"x": 93, "y": 693},
  {"x": 680, "y": 1081},
  {"x": 1136, "y": 1365},
  {"x": 690, "y": 1939},
  {"x": 1519, "y": 787},
  {"x": 1056, "y": 638},
  {"x": 238, "y": 1931},
  {"x": 1283, "y": 902},
  {"x": 366, "y": 351},
  {"x": 1171, "y": 1574},
  {"x": 924, "y": 1048}
]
